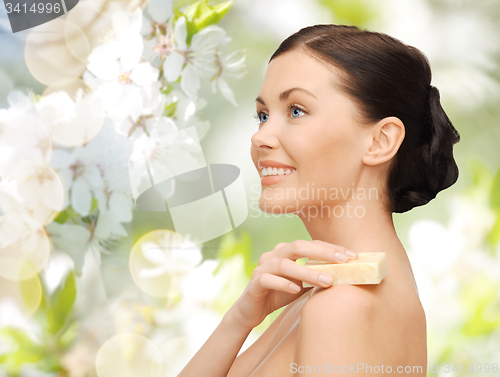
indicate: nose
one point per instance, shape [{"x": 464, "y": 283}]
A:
[{"x": 266, "y": 137}]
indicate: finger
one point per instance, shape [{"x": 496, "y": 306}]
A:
[
  {"x": 281, "y": 244},
  {"x": 287, "y": 268},
  {"x": 351, "y": 254},
  {"x": 278, "y": 283},
  {"x": 322, "y": 251}
]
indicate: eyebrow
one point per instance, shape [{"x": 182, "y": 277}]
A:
[{"x": 283, "y": 96}]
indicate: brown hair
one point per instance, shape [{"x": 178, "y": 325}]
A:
[{"x": 386, "y": 77}]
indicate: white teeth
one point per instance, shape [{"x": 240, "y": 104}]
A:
[{"x": 276, "y": 171}]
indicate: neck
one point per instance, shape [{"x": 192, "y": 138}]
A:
[{"x": 372, "y": 232}]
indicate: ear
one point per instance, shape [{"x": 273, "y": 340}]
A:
[{"x": 385, "y": 140}]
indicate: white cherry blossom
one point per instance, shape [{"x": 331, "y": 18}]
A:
[
  {"x": 193, "y": 61},
  {"x": 151, "y": 123},
  {"x": 121, "y": 77},
  {"x": 80, "y": 177},
  {"x": 229, "y": 65}
]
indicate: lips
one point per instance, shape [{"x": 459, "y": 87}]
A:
[{"x": 274, "y": 164}]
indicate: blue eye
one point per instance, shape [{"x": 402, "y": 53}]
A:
[
  {"x": 261, "y": 117},
  {"x": 296, "y": 112}
]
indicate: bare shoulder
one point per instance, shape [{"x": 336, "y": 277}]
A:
[
  {"x": 337, "y": 311},
  {"x": 361, "y": 325},
  {"x": 348, "y": 292}
]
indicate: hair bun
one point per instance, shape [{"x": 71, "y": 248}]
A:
[
  {"x": 437, "y": 154},
  {"x": 443, "y": 137}
]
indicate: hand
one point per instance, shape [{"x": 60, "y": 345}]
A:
[{"x": 277, "y": 279}]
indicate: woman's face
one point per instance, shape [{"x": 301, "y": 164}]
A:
[{"x": 308, "y": 125}]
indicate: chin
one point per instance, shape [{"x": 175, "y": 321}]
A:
[{"x": 277, "y": 206}]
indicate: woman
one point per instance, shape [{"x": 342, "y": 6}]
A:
[{"x": 348, "y": 116}]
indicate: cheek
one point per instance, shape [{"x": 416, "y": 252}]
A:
[{"x": 328, "y": 153}]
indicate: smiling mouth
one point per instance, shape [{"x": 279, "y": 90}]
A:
[{"x": 270, "y": 172}]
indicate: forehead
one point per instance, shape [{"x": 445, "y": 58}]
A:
[{"x": 301, "y": 69}]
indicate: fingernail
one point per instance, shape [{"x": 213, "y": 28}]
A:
[
  {"x": 351, "y": 253},
  {"x": 326, "y": 279},
  {"x": 294, "y": 287},
  {"x": 341, "y": 256}
]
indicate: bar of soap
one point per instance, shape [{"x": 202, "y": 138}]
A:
[{"x": 368, "y": 268}]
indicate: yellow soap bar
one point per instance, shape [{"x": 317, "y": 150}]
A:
[{"x": 368, "y": 268}]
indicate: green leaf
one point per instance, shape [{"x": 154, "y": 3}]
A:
[
  {"x": 69, "y": 212},
  {"x": 204, "y": 10},
  {"x": 65, "y": 298},
  {"x": 61, "y": 303},
  {"x": 167, "y": 89},
  {"x": 42, "y": 313},
  {"x": 170, "y": 109},
  {"x": 94, "y": 204},
  {"x": 200, "y": 15},
  {"x": 68, "y": 337},
  {"x": 191, "y": 12},
  {"x": 62, "y": 217},
  {"x": 215, "y": 16},
  {"x": 191, "y": 30},
  {"x": 25, "y": 350}
]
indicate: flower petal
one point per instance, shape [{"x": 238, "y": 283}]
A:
[
  {"x": 226, "y": 91},
  {"x": 81, "y": 199},
  {"x": 180, "y": 33},
  {"x": 93, "y": 176},
  {"x": 160, "y": 10},
  {"x": 103, "y": 61},
  {"x": 131, "y": 51},
  {"x": 119, "y": 100},
  {"x": 144, "y": 74},
  {"x": 190, "y": 82},
  {"x": 172, "y": 67},
  {"x": 208, "y": 38}
]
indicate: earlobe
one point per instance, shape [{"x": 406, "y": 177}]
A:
[{"x": 385, "y": 140}]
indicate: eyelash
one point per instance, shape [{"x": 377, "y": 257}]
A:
[{"x": 290, "y": 107}]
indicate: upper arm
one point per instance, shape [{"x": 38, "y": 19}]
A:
[{"x": 337, "y": 330}]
